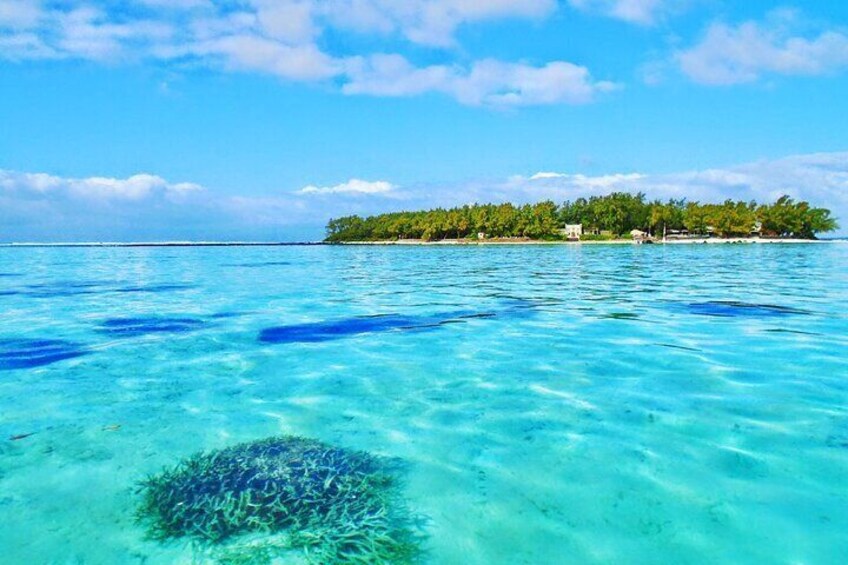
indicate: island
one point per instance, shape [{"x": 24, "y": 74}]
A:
[{"x": 614, "y": 218}]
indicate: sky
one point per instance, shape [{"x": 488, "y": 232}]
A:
[{"x": 152, "y": 120}]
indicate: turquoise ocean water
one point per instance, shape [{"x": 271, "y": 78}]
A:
[{"x": 562, "y": 404}]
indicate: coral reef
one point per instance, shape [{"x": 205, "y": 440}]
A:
[{"x": 339, "y": 506}]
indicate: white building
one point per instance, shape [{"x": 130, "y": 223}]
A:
[{"x": 572, "y": 232}]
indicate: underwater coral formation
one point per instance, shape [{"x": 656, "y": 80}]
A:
[{"x": 338, "y": 505}]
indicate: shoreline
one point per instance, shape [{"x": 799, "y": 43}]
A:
[
  {"x": 166, "y": 244},
  {"x": 413, "y": 243},
  {"x": 700, "y": 241}
]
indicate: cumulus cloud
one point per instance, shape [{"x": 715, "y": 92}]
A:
[
  {"x": 428, "y": 22},
  {"x": 46, "y": 207},
  {"x": 25, "y": 46},
  {"x": 282, "y": 38},
  {"x": 40, "y": 206},
  {"x": 644, "y": 12},
  {"x": 177, "y": 4},
  {"x": 80, "y": 31},
  {"x": 603, "y": 182},
  {"x": 89, "y": 33},
  {"x": 485, "y": 83},
  {"x": 353, "y": 186},
  {"x": 136, "y": 187},
  {"x": 247, "y": 52},
  {"x": 19, "y": 13},
  {"x": 746, "y": 52}
]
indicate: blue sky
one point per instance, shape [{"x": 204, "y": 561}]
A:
[{"x": 261, "y": 119}]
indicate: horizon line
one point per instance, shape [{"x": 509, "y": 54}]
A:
[{"x": 159, "y": 243}]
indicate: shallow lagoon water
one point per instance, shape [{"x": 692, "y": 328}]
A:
[{"x": 650, "y": 404}]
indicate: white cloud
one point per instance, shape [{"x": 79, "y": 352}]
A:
[
  {"x": 644, "y": 12},
  {"x": 353, "y": 186},
  {"x": 82, "y": 32},
  {"x": 88, "y": 33},
  {"x": 582, "y": 182},
  {"x": 744, "y": 53},
  {"x": 289, "y": 21},
  {"x": 486, "y": 83},
  {"x": 25, "y": 46},
  {"x": 248, "y": 52},
  {"x": 282, "y": 38},
  {"x": 134, "y": 188},
  {"x": 19, "y": 13},
  {"x": 428, "y": 22},
  {"x": 45, "y": 207},
  {"x": 177, "y": 4}
]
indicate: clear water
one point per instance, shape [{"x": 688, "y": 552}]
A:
[{"x": 681, "y": 404}]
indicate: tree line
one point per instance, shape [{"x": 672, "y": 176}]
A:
[{"x": 613, "y": 215}]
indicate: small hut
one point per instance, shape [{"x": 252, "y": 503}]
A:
[
  {"x": 572, "y": 232},
  {"x": 640, "y": 237}
]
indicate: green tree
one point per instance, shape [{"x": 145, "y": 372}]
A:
[{"x": 617, "y": 212}]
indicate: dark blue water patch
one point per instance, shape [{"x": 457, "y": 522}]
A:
[
  {"x": 61, "y": 288},
  {"x": 796, "y": 332},
  {"x": 19, "y": 353},
  {"x": 9, "y": 292},
  {"x": 336, "y": 329},
  {"x": 80, "y": 285},
  {"x": 257, "y": 265},
  {"x": 56, "y": 293},
  {"x": 132, "y": 327},
  {"x": 735, "y": 309},
  {"x": 229, "y": 314},
  {"x": 620, "y": 316},
  {"x": 511, "y": 301},
  {"x": 681, "y": 347},
  {"x": 155, "y": 288},
  {"x": 461, "y": 316},
  {"x": 9, "y": 275},
  {"x": 836, "y": 440},
  {"x": 328, "y": 330}
]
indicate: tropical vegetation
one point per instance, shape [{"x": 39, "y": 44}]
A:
[{"x": 610, "y": 216}]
